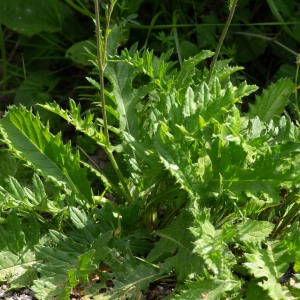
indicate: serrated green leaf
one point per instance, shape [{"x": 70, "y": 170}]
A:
[
  {"x": 261, "y": 179},
  {"x": 254, "y": 231},
  {"x": 57, "y": 288},
  {"x": 8, "y": 165},
  {"x": 210, "y": 244},
  {"x": 15, "y": 188},
  {"x": 73, "y": 116},
  {"x": 16, "y": 239},
  {"x": 186, "y": 73},
  {"x": 272, "y": 101},
  {"x": 31, "y": 200},
  {"x": 54, "y": 279},
  {"x": 69, "y": 258},
  {"x": 100, "y": 246},
  {"x": 189, "y": 108},
  {"x": 208, "y": 289},
  {"x": 223, "y": 71},
  {"x": 132, "y": 282},
  {"x": 221, "y": 100},
  {"x": 86, "y": 265},
  {"x": 263, "y": 264},
  {"x": 175, "y": 247},
  {"x": 13, "y": 267},
  {"x": 33, "y": 142},
  {"x": 125, "y": 96},
  {"x": 90, "y": 127},
  {"x": 32, "y": 232},
  {"x": 39, "y": 190},
  {"x": 78, "y": 217},
  {"x": 176, "y": 160}
]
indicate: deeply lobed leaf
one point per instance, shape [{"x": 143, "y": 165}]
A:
[
  {"x": 44, "y": 152},
  {"x": 273, "y": 100}
]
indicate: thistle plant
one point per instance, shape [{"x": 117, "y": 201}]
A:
[{"x": 202, "y": 191}]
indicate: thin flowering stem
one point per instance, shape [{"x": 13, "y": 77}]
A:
[
  {"x": 221, "y": 40},
  {"x": 101, "y": 58}
]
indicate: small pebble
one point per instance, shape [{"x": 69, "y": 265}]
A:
[{"x": 25, "y": 294}]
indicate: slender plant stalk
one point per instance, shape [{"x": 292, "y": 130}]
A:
[
  {"x": 274, "y": 9},
  {"x": 170, "y": 26},
  {"x": 153, "y": 21},
  {"x": 263, "y": 37},
  {"x": 221, "y": 40},
  {"x": 80, "y": 9},
  {"x": 296, "y": 84},
  {"x": 101, "y": 57},
  {"x": 4, "y": 61},
  {"x": 174, "y": 21}
]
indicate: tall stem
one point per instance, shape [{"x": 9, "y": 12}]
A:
[
  {"x": 101, "y": 55},
  {"x": 101, "y": 58},
  {"x": 4, "y": 61},
  {"x": 296, "y": 85},
  {"x": 221, "y": 40}
]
